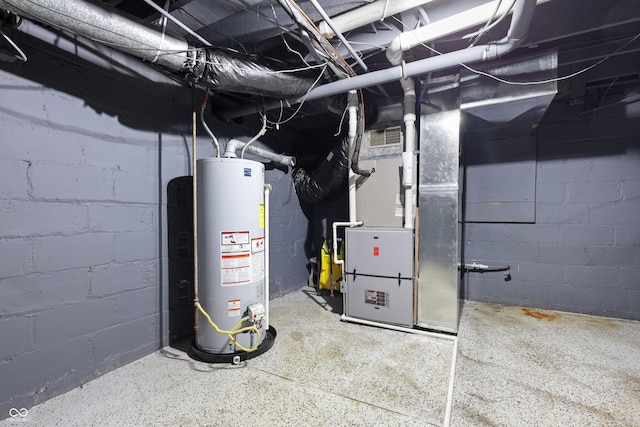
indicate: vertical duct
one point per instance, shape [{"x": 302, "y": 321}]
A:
[{"x": 438, "y": 221}]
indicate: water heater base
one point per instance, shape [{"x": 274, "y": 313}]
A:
[{"x": 236, "y": 357}]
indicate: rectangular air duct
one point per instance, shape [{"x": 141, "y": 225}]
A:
[{"x": 438, "y": 227}]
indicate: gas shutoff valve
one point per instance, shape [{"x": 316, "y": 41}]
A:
[{"x": 256, "y": 313}]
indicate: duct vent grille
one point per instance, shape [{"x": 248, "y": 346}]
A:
[{"x": 386, "y": 137}]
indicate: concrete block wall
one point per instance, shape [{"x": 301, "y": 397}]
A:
[
  {"x": 80, "y": 248},
  {"x": 582, "y": 254},
  {"x": 84, "y": 166},
  {"x": 288, "y": 236}
]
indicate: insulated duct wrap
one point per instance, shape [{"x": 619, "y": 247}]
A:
[
  {"x": 107, "y": 25},
  {"x": 233, "y": 73},
  {"x": 331, "y": 176},
  {"x": 216, "y": 69}
]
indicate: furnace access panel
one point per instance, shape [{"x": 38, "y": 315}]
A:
[{"x": 379, "y": 274}]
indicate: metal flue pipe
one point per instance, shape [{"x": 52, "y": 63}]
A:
[{"x": 233, "y": 145}]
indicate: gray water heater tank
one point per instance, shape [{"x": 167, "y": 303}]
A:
[{"x": 231, "y": 244}]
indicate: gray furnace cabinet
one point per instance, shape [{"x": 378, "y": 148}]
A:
[{"x": 379, "y": 274}]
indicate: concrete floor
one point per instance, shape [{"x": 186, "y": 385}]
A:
[{"x": 515, "y": 367}]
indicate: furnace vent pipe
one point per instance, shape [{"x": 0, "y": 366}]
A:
[
  {"x": 444, "y": 27},
  {"x": 372, "y": 12},
  {"x": 108, "y": 26},
  {"x": 352, "y": 101},
  {"x": 234, "y": 145},
  {"x": 523, "y": 12},
  {"x": 409, "y": 118}
]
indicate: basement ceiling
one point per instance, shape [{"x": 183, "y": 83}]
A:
[{"x": 582, "y": 31}]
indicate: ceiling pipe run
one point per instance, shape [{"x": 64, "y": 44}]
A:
[
  {"x": 520, "y": 21},
  {"x": 108, "y": 26},
  {"x": 117, "y": 64},
  {"x": 372, "y": 12},
  {"x": 445, "y": 27},
  {"x": 211, "y": 68},
  {"x": 344, "y": 41}
]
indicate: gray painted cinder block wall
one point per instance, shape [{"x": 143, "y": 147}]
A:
[
  {"x": 582, "y": 254},
  {"x": 79, "y": 242},
  {"x": 288, "y": 236},
  {"x": 84, "y": 163},
  {"x": 81, "y": 254}
]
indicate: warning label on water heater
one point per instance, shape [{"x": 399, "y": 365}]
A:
[
  {"x": 236, "y": 269},
  {"x": 235, "y": 262},
  {"x": 257, "y": 254},
  {"x": 234, "y": 308},
  {"x": 234, "y": 241}
]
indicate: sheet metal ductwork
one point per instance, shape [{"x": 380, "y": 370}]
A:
[
  {"x": 329, "y": 178},
  {"x": 216, "y": 69}
]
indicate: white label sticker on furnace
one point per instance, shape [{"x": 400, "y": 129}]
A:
[
  {"x": 234, "y": 308},
  {"x": 234, "y": 241},
  {"x": 399, "y": 208}
]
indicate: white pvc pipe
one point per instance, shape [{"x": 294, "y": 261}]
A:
[
  {"x": 452, "y": 376},
  {"x": 409, "y": 90},
  {"x": 267, "y": 193},
  {"x": 523, "y": 12},
  {"x": 453, "y": 338},
  {"x": 335, "y": 238},
  {"x": 353, "y": 124},
  {"x": 444, "y": 27},
  {"x": 346, "y": 318},
  {"x": 367, "y": 14}
]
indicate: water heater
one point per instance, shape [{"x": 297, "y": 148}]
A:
[{"x": 231, "y": 252}]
